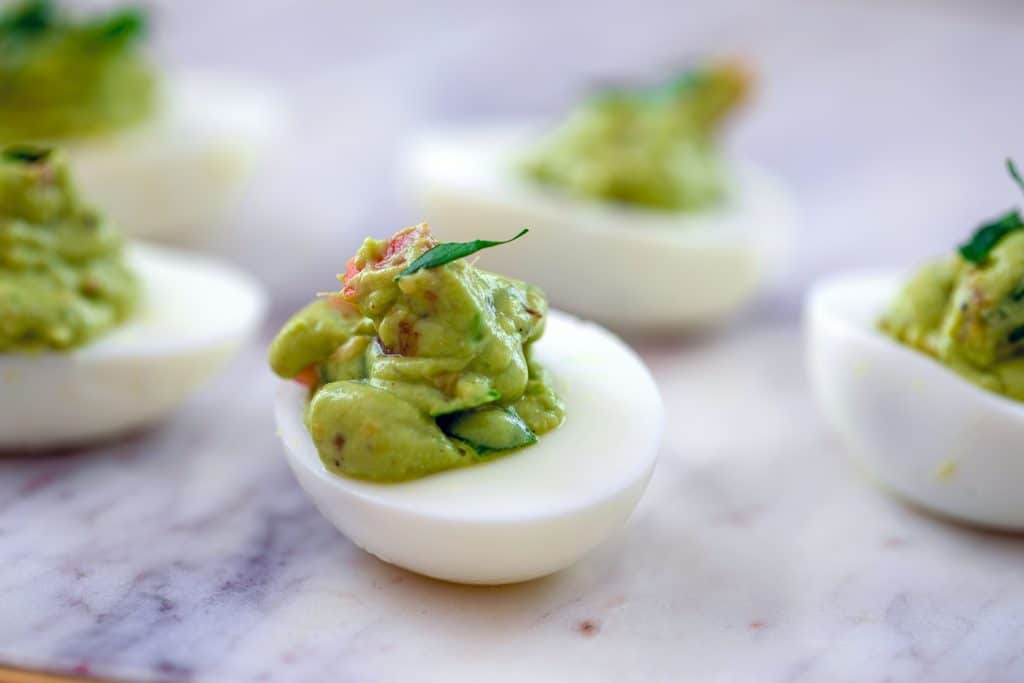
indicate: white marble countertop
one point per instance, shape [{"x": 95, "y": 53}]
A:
[{"x": 758, "y": 554}]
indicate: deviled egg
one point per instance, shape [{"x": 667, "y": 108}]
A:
[
  {"x": 636, "y": 219},
  {"x": 924, "y": 377},
  {"x": 97, "y": 339},
  {"x": 449, "y": 423},
  {"x": 163, "y": 155}
]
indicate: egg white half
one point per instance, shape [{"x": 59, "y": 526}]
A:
[
  {"x": 627, "y": 267},
  {"x": 194, "y": 315},
  {"x": 172, "y": 179},
  {"x": 922, "y": 430},
  {"x": 526, "y": 514}
]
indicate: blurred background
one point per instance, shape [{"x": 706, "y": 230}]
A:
[{"x": 890, "y": 119}]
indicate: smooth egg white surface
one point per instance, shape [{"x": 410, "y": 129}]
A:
[
  {"x": 173, "y": 178},
  {"x": 523, "y": 515},
  {"x": 194, "y": 315},
  {"x": 922, "y": 430},
  {"x": 626, "y": 267}
]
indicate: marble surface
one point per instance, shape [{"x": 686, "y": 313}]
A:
[{"x": 188, "y": 553}]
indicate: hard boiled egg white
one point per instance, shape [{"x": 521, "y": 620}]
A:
[
  {"x": 173, "y": 178},
  {"x": 627, "y": 267},
  {"x": 194, "y": 315},
  {"x": 923, "y": 431},
  {"x": 526, "y": 514}
]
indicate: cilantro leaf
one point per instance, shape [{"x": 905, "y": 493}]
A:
[
  {"x": 123, "y": 25},
  {"x": 28, "y": 154},
  {"x": 985, "y": 239},
  {"x": 447, "y": 252},
  {"x": 28, "y": 18},
  {"x": 1012, "y": 168}
]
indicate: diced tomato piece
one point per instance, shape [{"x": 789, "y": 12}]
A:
[
  {"x": 348, "y": 292},
  {"x": 308, "y": 377},
  {"x": 398, "y": 243},
  {"x": 351, "y": 270},
  {"x": 392, "y": 256}
]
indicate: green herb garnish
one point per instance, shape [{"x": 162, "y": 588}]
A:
[
  {"x": 28, "y": 18},
  {"x": 660, "y": 91},
  {"x": 985, "y": 238},
  {"x": 28, "y": 154},
  {"x": 1012, "y": 168},
  {"x": 33, "y": 18},
  {"x": 687, "y": 80},
  {"x": 452, "y": 251},
  {"x": 988, "y": 236},
  {"x": 124, "y": 25}
]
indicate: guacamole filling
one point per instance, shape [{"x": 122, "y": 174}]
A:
[
  {"x": 967, "y": 310},
  {"x": 63, "y": 280},
  {"x": 62, "y": 78},
  {"x": 652, "y": 147},
  {"x": 414, "y": 371}
]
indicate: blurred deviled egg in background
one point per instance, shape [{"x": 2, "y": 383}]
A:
[
  {"x": 923, "y": 375},
  {"x": 164, "y": 155},
  {"x": 98, "y": 338},
  {"x": 636, "y": 220}
]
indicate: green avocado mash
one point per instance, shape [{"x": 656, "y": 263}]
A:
[
  {"x": 61, "y": 78},
  {"x": 653, "y": 148},
  {"x": 62, "y": 278},
  {"x": 414, "y": 374},
  {"x": 967, "y": 310}
]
